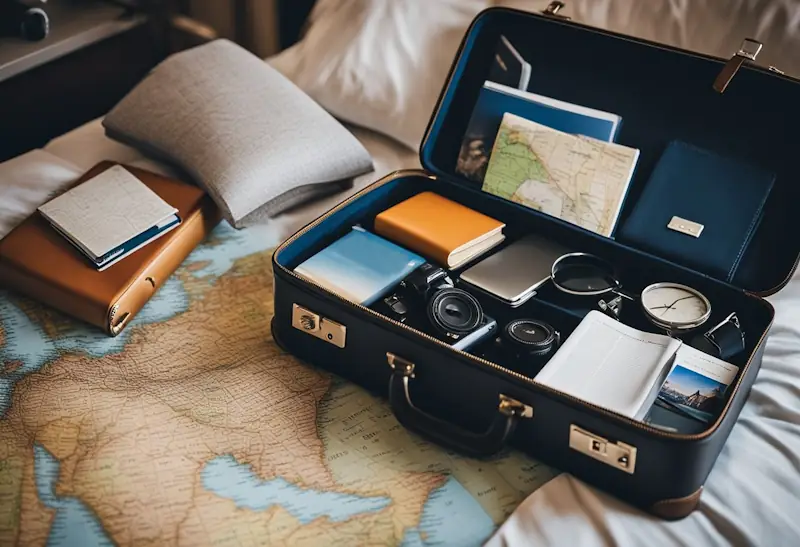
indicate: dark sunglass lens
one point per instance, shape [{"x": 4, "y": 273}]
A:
[{"x": 584, "y": 274}]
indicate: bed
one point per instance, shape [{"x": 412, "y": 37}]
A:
[{"x": 79, "y": 435}]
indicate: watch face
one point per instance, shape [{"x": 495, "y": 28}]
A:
[{"x": 675, "y": 306}]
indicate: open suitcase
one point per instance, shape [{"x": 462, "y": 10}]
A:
[{"x": 475, "y": 405}]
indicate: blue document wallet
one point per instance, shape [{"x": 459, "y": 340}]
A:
[{"x": 699, "y": 209}]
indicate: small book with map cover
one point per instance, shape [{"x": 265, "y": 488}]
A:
[{"x": 578, "y": 179}]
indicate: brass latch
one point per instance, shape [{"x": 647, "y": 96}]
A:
[
  {"x": 553, "y": 8},
  {"x": 747, "y": 53},
  {"x": 318, "y": 326},
  {"x": 616, "y": 454}
]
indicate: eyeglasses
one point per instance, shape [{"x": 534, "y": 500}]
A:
[{"x": 584, "y": 274}]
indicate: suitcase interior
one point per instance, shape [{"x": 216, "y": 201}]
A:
[{"x": 661, "y": 94}]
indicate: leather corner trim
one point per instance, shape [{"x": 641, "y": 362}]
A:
[{"x": 677, "y": 508}]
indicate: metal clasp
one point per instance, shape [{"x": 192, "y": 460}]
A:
[
  {"x": 616, "y": 454},
  {"x": 684, "y": 226},
  {"x": 399, "y": 364},
  {"x": 553, "y": 8},
  {"x": 511, "y": 407},
  {"x": 747, "y": 52},
  {"x": 319, "y": 327}
]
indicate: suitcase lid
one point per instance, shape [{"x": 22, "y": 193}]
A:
[{"x": 732, "y": 107}]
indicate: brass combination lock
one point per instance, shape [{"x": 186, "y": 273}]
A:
[
  {"x": 616, "y": 454},
  {"x": 318, "y": 326}
]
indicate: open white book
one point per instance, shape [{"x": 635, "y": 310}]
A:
[{"x": 622, "y": 369}]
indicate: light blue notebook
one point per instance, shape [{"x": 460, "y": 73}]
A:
[{"x": 360, "y": 266}]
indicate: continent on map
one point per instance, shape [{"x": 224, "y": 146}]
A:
[
  {"x": 193, "y": 428},
  {"x": 572, "y": 177}
]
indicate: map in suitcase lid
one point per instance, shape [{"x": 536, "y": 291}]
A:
[{"x": 712, "y": 187}]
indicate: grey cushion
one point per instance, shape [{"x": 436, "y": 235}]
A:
[{"x": 240, "y": 129}]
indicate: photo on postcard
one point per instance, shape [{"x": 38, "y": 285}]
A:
[{"x": 693, "y": 394}]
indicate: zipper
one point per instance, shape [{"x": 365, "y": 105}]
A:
[
  {"x": 781, "y": 285},
  {"x": 381, "y": 319}
]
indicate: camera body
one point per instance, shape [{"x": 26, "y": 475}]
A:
[
  {"x": 427, "y": 300},
  {"x": 24, "y": 19},
  {"x": 524, "y": 345}
]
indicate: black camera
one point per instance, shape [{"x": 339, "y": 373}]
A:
[
  {"x": 524, "y": 345},
  {"x": 24, "y": 19},
  {"x": 428, "y": 301}
]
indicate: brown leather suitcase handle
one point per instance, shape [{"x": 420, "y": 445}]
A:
[{"x": 443, "y": 432}]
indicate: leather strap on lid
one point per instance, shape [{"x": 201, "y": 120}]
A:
[{"x": 747, "y": 53}]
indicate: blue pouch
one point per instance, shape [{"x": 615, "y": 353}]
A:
[{"x": 699, "y": 209}]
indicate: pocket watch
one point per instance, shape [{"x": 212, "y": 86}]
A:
[{"x": 675, "y": 307}]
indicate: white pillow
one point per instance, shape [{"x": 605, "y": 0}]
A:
[
  {"x": 379, "y": 64},
  {"x": 255, "y": 142},
  {"x": 28, "y": 181}
]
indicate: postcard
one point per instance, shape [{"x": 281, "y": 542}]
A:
[{"x": 696, "y": 389}]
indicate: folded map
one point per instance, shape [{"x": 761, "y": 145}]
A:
[{"x": 578, "y": 179}]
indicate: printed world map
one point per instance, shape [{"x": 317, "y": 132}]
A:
[
  {"x": 193, "y": 428},
  {"x": 574, "y": 178}
]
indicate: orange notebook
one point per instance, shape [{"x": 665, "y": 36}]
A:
[{"x": 440, "y": 229}]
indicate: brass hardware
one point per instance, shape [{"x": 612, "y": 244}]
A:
[
  {"x": 616, "y": 454},
  {"x": 397, "y": 362},
  {"x": 776, "y": 70},
  {"x": 507, "y": 406},
  {"x": 553, "y": 8},
  {"x": 747, "y": 53},
  {"x": 512, "y": 407},
  {"x": 320, "y": 327},
  {"x": 117, "y": 327},
  {"x": 684, "y": 226}
]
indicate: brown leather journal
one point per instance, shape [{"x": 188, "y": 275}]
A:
[{"x": 35, "y": 260}]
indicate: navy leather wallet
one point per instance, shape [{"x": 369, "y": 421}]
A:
[{"x": 699, "y": 209}]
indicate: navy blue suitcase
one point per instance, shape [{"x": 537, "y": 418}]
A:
[{"x": 477, "y": 406}]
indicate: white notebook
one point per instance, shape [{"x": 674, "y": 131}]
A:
[
  {"x": 106, "y": 211},
  {"x": 622, "y": 369}
]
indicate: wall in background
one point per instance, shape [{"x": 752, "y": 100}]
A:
[{"x": 251, "y": 23}]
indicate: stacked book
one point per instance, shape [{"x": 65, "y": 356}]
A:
[{"x": 110, "y": 216}]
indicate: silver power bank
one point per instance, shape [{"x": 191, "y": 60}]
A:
[{"x": 515, "y": 272}]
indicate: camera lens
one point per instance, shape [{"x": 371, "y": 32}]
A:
[
  {"x": 525, "y": 331},
  {"x": 531, "y": 336},
  {"x": 454, "y": 310}
]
